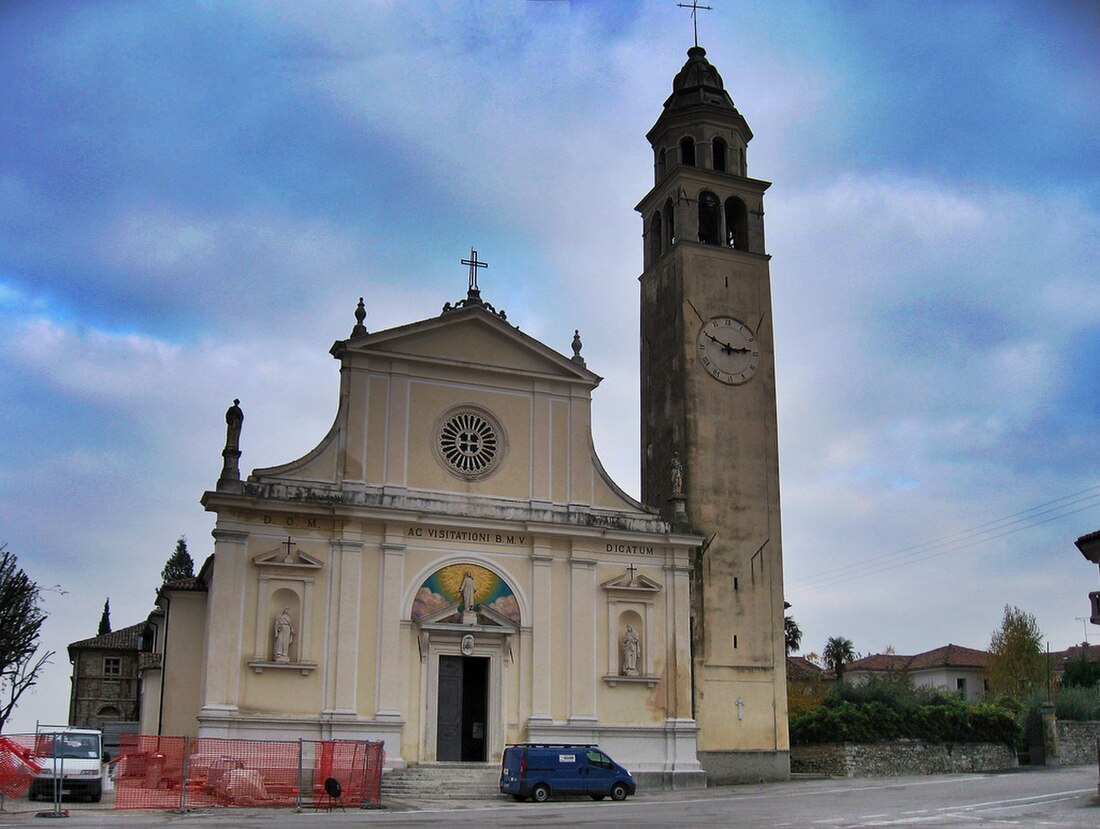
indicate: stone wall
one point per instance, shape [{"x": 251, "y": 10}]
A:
[
  {"x": 1077, "y": 742},
  {"x": 900, "y": 757}
]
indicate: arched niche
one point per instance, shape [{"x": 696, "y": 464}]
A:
[
  {"x": 631, "y": 601},
  {"x": 285, "y": 579}
]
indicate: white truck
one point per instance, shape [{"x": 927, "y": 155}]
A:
[{"x": 72, "y": 761}]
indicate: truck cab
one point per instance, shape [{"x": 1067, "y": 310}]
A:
[{"x": 72, "y": 761}]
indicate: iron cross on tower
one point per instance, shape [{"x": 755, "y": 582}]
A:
[
  {"x": 472, "y": 291},
  {"x": 694, "y": 18}
]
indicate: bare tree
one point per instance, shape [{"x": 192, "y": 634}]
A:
[{"x": 20, "y": 625}]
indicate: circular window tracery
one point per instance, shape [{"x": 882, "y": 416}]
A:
[{"x": 470, "y": 443}]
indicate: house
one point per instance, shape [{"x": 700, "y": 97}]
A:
[
  {"x": 105, "y": 684},
  {"x": 951, "y": 667},
  {"x": 1059, "y": 659}
]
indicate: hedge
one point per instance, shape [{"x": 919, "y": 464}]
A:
[{"x": 944, "y": 719}]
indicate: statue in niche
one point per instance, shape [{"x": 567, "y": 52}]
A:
[
  {"x": 677, "y": 475},
  {"x": 468, "y": 590},
  {"x": 632, "y": 649},
  {"x": 284, "y": 635}
]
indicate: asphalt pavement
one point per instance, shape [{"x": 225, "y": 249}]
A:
[{"x": 1031, "y": 798}]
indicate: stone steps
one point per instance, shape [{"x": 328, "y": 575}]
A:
[{"x": 442, "y": 781}]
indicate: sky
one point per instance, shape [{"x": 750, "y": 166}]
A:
[{"x": 194, "y": 195}]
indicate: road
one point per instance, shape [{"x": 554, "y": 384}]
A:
[{"x": 1065, "y": 798}]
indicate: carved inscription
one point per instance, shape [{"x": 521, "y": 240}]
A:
[
  {"x": 476, "y": 536},
  {"x": 631, "y": 549},
  {"x": 293, "y": 521}
]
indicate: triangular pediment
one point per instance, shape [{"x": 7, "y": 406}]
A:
[
  {"x": 281, "y": 556},
  {"x": 639, "y": 584},
  {"x": 471, "y": 337},
  {"x": 452, "y": 615}
]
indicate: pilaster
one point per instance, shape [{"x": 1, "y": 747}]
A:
[
  {"x": 582, "y": 641},
  {"x": 225, "y": 622},
  {"x": 390, "y": 679},
  {"x": 541, "y": 626}
]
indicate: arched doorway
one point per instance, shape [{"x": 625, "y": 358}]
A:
[{"x": 466, "y": 617}]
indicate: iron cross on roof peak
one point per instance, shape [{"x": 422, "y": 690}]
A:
[
  {"x": 695, "y": 7},
  {"x": 474, "y": 265}
]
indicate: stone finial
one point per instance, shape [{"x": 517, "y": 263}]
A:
[
  {"x": 230, "y": 479},
  {"x": 360, "y": 330},
  {"x": 577, "y": 346}
]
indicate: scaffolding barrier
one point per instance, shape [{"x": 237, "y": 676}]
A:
[{"x": 186, "y": 773}]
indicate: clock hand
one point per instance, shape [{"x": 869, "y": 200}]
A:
[
  {"x": 716, "y": 340},
  {"x": 726, "y": 347}
]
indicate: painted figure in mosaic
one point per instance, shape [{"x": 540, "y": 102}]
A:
[{"x": 468, "y": 589}]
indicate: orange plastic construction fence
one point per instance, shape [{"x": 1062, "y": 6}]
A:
[
  {"x": 182, "y": 773},
  {"x": 17, "y": 768}
]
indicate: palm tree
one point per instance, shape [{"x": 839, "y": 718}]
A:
[
  {"x": 792, "y": 633},
  {"x": 838, "y": 651}
]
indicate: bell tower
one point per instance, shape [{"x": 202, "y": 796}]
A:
[{"x": 710, "y": 457}]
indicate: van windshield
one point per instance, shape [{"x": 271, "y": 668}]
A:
[{"x": 73, "y": 746}]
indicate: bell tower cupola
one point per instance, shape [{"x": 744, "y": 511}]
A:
[{"x": 700, "y": 166}]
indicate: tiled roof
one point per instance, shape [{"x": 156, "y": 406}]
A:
[
  {"x": 1091, "y": 653},
  {"x": 123, "y": 639},
  {"x": 799, "y": 667},
  {"x": 948, "y": 656},
  {"x": 879, "y": 662},
  {"x": 191, "y": 583},
  {"x": 953, "y": 656}
]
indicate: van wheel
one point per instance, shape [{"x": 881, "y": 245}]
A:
[
  {"x": 598, "y": 796},
  {"x": 618, "y": 792},
  {"x": 541, "y": 793}
]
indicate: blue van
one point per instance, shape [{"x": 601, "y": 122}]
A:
[{"x": 539, "y": 770}]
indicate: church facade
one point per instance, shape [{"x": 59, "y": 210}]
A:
[{"x": 451, "y": 569}]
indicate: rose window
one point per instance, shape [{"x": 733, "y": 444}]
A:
[{"x": 469, "y": 443}]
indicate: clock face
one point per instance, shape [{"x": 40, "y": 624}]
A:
[{"x": 728, "y": 350}]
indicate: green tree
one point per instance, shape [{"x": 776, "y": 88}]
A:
[
  {"x": 180, "y": 565},
  {"x": 105, "y": 619},
  {"x": 1016, "y": 664},
  {"x": 837, "y": 653},
  {"x": 1080, "y": 673},
  {"x": 792, "y": 633},
  {"x": 20, "y": 624}
]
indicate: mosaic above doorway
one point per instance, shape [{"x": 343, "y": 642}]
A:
[{"x": 444, "y": 587}]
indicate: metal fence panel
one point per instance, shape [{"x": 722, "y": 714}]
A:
[
  {"x": 178, "y": 773},
  {"x": 150, "y": 772},
  {"x": 17, "y": 767}
]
